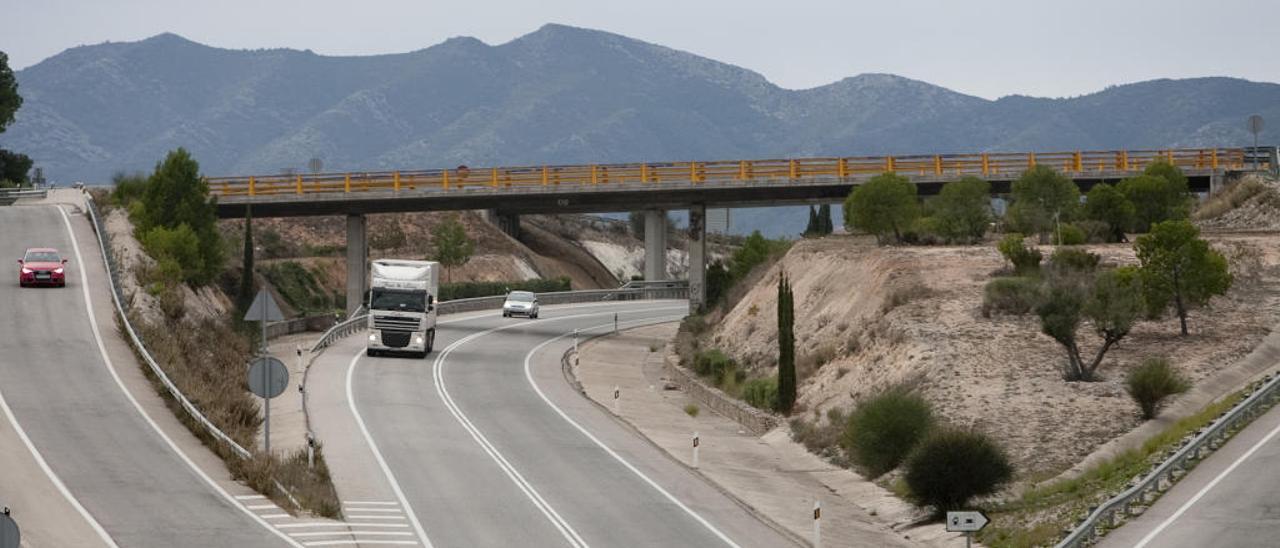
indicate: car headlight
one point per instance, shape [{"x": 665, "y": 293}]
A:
[
  {"x": 26, "y": 270},
  {"x": 57, "y": 270}
]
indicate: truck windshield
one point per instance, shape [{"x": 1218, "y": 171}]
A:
[{"x": 403, "y": 300}]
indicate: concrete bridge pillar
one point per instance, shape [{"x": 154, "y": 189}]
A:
[
  {"x": 697, "y": 258},
  {"x": 357, "y": 261},
  {"x": 655, "y": 245},
  {"x": 508, "y": 223}
]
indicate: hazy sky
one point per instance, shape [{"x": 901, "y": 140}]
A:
[{"x": 983, "y": 47}]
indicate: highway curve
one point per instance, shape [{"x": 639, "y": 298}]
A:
[
  {"x": 488, "y": 444},
  {"x": 56, "y": 382}
]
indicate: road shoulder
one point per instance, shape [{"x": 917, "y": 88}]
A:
[{"x": 771, "y": 475}]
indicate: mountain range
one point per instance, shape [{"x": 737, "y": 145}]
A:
[{"x": 557, "y": 95}]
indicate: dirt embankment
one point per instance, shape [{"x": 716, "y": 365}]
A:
[{"x": 871, "y": 317}]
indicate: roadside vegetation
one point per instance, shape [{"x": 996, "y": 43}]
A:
[
  {"x": 174, "y": 222},
  {"x": 15, "y": 167}
]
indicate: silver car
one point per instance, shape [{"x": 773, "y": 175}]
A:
[{"x": 520, "y": 303}]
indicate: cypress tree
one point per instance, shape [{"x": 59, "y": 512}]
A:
[
  {"x": 825, "y": 225},
  {"x": 246, "y": 277},
  {"x": 812, "y": 228},
  {"x": 786, "y": 346}
]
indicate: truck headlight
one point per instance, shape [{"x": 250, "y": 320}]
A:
[
  {"x": 418, "y": 340},
  {"x": 373, "y": 338}
]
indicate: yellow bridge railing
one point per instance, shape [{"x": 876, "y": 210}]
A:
[{"x": 939, "y": 166}]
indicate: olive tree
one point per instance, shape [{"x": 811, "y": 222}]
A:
[{"x": 1110, "y": 302}]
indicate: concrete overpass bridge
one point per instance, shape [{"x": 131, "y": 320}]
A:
[{"x": 507, "y": 192}]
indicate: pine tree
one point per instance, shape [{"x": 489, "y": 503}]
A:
[
  {"x": 825, "y": 225},
  {"x": 811, "y": 229},
  {"x": 786, "y": 346}
]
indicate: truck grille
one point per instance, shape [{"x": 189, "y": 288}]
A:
[
  {"x": 395, "y": 339},
  {"x": 395, "y": 323}
]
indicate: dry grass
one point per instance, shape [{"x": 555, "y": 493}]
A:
[{"x": 1233, "y": 197}]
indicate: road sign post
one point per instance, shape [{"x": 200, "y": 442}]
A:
[
  {"x": 263, "y": 310},
  {"x": 1255, "y": 127},
  {"x": 966, "y": 522}
]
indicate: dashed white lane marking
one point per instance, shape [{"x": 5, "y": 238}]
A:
[
  {"x": 529, "y": 376},
  {"x": 339, "y": 524},
  {"x": 377, "y": 510},
  {"x": 250, "y": 497},
  {"x": 262, "y": 506},
  {"x": 388, "y": 518},
  {"x": 111, "y": 368},
  {"x": 368, "y": 503}
]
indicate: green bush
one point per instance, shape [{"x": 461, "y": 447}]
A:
[
  {"x": 1069, "y": 234},
  {"x": 1025, "y": 261},
  {"x": 467, "y": 290},
  {"x": 761, "y": 393},
  {"x": 1015, "y": 295},
  {"x": 176, "y": 251},
  {"x": 127, "y": 189},
  {"x": 299, "y": 287},
  {"x": 950, "y": 467},
  {"x": 1152, "y": 382},
  {"x": 712, "y": 363},
  {"x": 882, "y": 430},
  {"x": 1073, "y": 260},
  {"x": 1095, "y": 232}
]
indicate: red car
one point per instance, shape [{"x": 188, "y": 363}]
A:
[{"x": 42, "y": 266}]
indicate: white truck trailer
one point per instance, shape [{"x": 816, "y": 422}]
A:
[{"x": 402, "y": 307}]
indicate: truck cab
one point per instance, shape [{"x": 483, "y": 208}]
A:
[{"x": 402, "y": 307}]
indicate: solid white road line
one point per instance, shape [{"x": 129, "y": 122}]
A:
[
  {"x": 529, "y": 375},
  {"x": 263, "y": 507},
  {"x": 340, "y": 524},
  {"x": 1181, "y": 510},
  {"x": 382, "y": 462},
  {"x": 57, "y": 482},
  {"x": 367, "y": 502},
  {"x": 366, "y": 516},
  {"x": 361, "y": 542},
  {"x": 102, "y": 349},
  {"x": 352, "y": 533},
  {"x": 377, "y": 455},
  {"x": 250, "y": 497},
  {"x": 379, "y": 510}
]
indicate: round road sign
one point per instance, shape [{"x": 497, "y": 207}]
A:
[
  {"x": 9, "y": 536},
  {"x": 268, "y": 377}
]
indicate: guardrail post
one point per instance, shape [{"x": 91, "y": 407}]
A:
[
  {"x": 493, "y": 177},
  {"x": 888, "y": 164},
  {"x": 1123, "y": 160},
  {"x": 842, "y": 167},
  {"x": 546, "y": 176},
  {"x": 595, "y": 176},
  {"x": 253, "y": 187},
  {"x": 1213, "y": 157},
  {"x": 986, "y": 164},
  {"x": 346, "y": 182},
  {"x": 1031, "y": 160},
  {"x": 644, "y": 173},
  {"x": 395, "y": 181},
  {"x": 298, "y": 184},
  {"x": 937, "y": 164},
  {"x": 742, "y": 170},
  {"x": 693, "y": 172},
  {"x": 1079, "y": 162}
]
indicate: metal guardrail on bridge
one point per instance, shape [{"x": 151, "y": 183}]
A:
[
  {"x": 9, "y": 196},
  {"x": 985, "y": 164}
]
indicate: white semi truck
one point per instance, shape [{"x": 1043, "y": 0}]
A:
[{"x": 402, "y": 306}]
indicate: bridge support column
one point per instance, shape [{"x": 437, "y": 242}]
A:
[
  {"x": 655, "y": 245},
  {"x": 697, "y": 258},
  {"x": 357, "y": 261},
  {"x": 1215, "y": 183},
  {"x": 508, "y": 223}
]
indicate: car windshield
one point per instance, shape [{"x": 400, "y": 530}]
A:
[
  {"x": 520, "y": 297},
  {"x": 42, "y": 257},
  {"x": 402, "y": 300}
]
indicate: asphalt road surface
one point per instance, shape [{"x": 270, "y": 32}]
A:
[
  {"x": 1232, "y": 499},
  {"x": 56, "y": 382},
  {"x": 488, "y": 445}
]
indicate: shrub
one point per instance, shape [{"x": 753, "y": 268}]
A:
[
  {"x": 885, "y": 206},
  {"x": 127, "y": 189},
  {"x": 1152, "y": 382},
  {"x": 761, "y": 393},
  {"x": 1069, "y": 234},
  {"x": 1017, "y": 296},
  {"x": 883, "y": 430},
  {"x": 176, "y": 251},
  {"x": 963, "y": 210},
  {"x": 713, "y": 363},
  {"x": 691, "y": 410},
  {"x": 951, "y": 466},
  {"x": 1025, "y": 261},
  {"x": 1095, "y": 232},
  {"x": 1073, "y": 260},
  {"x": 299, "y": 287}
]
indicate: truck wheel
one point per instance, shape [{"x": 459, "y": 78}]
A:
[
  {"x": 431, "y": 343},
  {"x": 370, "y": 352}
]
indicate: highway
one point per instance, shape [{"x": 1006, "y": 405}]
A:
[
  {"x": 104, "y": 456},
  {"x": 1232, "y": 499},
  {"x": 485, "y": 443}
]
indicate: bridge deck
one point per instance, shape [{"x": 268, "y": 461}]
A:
[{"x": 621, "y": 187}]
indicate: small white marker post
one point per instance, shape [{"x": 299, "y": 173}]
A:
[
  {"x": 695, "y": 449},
  {"x": 615, "y": 323},
  {"x": 617, "y": 396},
  {"x": 817, "y": 524},
  {"x": 575, "y": 347},
  {"x": 311, "y": 450}
]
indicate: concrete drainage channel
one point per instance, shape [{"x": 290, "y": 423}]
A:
[{"x": 1261, "y": 396}]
